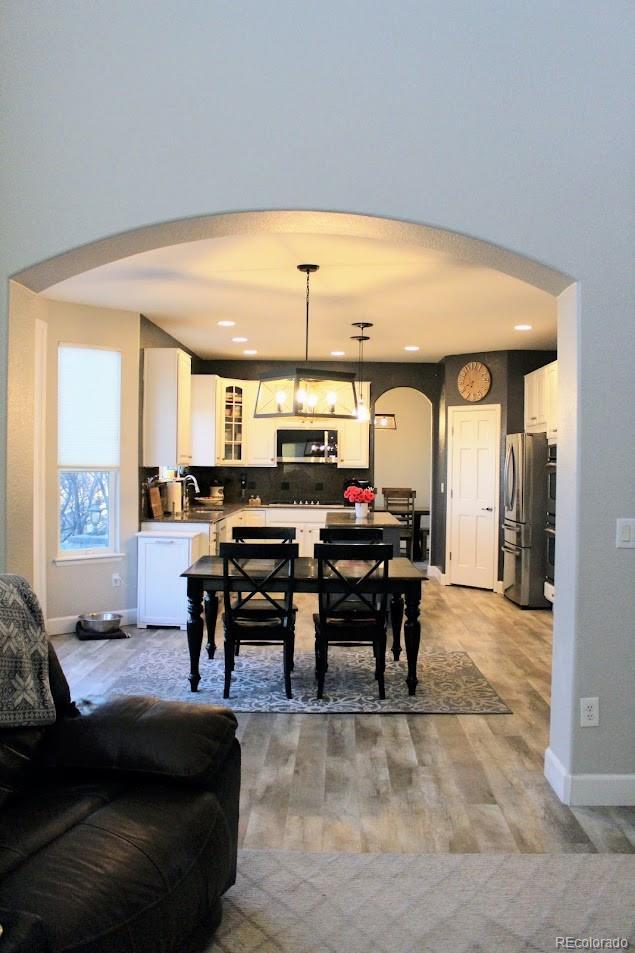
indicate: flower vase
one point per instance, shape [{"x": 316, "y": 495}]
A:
[{"x": 361, "y": 511}]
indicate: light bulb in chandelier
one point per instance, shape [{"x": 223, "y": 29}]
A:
[
  {"x": 363, "y": 413},
  {"x": 331, "y": 400},
  {"x": 312, "y": 400},
  {"x": 300, "y": 395}
]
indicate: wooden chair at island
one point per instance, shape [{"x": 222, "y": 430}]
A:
[
  {"x": 351, "y": 534},
  {"x": 350, "y": 614},
  {"x": 400, "y": 501},
  {"x": 270, "y": 625}
]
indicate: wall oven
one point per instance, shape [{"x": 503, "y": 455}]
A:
[{"x": 306, "y": 446}]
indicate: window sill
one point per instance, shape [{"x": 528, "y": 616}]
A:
[{"x": 89, "y": 557}]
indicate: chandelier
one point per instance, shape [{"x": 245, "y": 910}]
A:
[{"x": 306, "y": 391}]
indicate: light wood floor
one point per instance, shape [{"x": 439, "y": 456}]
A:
[{"x": 436, "y": 783}]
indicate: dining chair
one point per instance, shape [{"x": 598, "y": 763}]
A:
[
  {"x": 400, "y": 501},
  {"x": 351, "y": 534},
  {"x": 269, "y": 534},
  {"x": 350, "y": 611},
  {"x": 245, "y": 562}
]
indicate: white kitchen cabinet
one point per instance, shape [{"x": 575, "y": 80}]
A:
[
  {"x": 551, "y": 389},
  {"x": 167, "y": 419},
  {"x": 161, "y": 592},
  {"x": 230, "y": 417},
  {"x": 205, "y": 437},
  {"x": 541, "y": 399},
  {"x": 260, "y": 439},
  {"x": 208, "y": 530},
  {"x": 353, "y": 439},
  {"x": 307, "y": 523}
]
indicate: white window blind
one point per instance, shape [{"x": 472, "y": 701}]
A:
[{"x": 89, "y": 411}]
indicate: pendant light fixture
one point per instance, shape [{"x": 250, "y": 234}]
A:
[
  {"x": 385, "y": 422},
  {"x": 306, "y": 391},
  {"x": 363, "y": 412}
]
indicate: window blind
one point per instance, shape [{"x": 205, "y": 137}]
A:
[{"x": 89, "y": 407}]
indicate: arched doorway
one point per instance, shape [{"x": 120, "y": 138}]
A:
[{"x": 403, "y": 455}]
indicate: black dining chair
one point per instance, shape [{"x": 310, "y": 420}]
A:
[
  {"x": 351, "y": 534},
  {"x": 352, "y": 603},
  {"x": 268, "y": 573}
]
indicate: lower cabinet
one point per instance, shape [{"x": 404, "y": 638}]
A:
[
  {"x": 307, "y": 526},
  {"x": 161, "y": 592}
]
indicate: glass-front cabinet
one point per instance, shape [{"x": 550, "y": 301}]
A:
[{"x": 232, "y": 432}]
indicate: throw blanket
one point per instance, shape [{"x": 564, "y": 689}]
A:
[{"x": 25, "y": 694}]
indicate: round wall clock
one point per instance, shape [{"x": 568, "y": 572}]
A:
[{"x": 474, "y": 381}]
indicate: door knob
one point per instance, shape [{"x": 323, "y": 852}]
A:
[{"x": 488, "y": 509}]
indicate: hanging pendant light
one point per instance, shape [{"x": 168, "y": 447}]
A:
[
  {"x": 363, "y": 412},
  {"x": 385, "y": 422},
  {"x": 306, "y": 391}
]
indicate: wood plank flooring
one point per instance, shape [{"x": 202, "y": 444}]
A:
[{"x": 412, "y": 783}]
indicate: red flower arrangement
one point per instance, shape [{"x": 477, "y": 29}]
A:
[{"x": 355, "y": 494}]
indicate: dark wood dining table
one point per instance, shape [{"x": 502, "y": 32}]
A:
[{"x": 205, "y": 581}]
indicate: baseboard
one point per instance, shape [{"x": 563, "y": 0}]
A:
[
  {"x": 589, "y": 790},
  {"x": 434, "y": 572},
  {"x": 67, "y": 623}
]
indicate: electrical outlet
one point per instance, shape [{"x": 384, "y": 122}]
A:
[
  {"x": 116, "y": 580},
  {"x": 589, "y": 712}
]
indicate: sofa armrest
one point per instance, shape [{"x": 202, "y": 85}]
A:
[
  {"x": 22, "y": 933},
  {"x": 145, "y": 736}
]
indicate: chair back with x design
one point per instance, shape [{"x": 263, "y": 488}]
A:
[
  {"x": 351, "y": 534},
  {"x": 242, "y": 534},
  {"x": 259, "y": 569},
  {"x": 352, "y": 578}
]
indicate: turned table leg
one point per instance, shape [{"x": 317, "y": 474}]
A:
[
  {"x": 396, "y": 618},
  {"x": 194, "y": 628},
  {"x": 211, "y": 614},
  {"x": 412, "y": 637}
]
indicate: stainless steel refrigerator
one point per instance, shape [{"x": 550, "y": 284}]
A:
[{"x": 525, "y": 497}]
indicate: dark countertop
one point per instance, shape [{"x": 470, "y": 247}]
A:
[
  {"x": 379, "y": 520},
  {"x": 199, "y": 516}
]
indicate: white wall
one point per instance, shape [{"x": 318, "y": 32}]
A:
[
  {"x": 403, "y": 457},
  {"x": 510, "y": 122},
  {"x": 86, "y": 586}
]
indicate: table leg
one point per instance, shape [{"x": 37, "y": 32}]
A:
[
  {"x": 396, "y": 618},
  {"x": 416, "y": 538},
  {"x": 412, "y": 637},
  {"x": 194, "y": 628},
  {"x": 211, "y": 614}
]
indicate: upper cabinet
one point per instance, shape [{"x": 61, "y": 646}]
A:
[
  {"x": 353, "y": 439},
  {"x": 231, "y": 423},
  {"x": 261, "y": 432},
  {"x": 541, "y": 401},
  {"x": 204, "y": 430},
  {"x": 167, "y": 418}
]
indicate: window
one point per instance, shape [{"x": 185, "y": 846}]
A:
[{"x": 88, "y": 449}]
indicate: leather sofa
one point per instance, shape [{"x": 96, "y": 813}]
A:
[{"x": 118, "y": 828}]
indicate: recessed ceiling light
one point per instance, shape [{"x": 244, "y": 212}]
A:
[
  {"x": 411, "y": 347},
  {"x": 240, "y": 340},
  {"x": 338, "y": 353},
  {"x": 226, "y": 324},
  {"x": 522, "y": 327},
  {"x": 250, "y": 351}
]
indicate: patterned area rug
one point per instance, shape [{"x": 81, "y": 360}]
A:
[
  {"x": 449, "y": 682},
  {"x": 296, "y": 902}
]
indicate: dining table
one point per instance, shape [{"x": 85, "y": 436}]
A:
[{"x": 205, "y": 581}]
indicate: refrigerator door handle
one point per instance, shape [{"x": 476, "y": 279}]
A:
[
  {"x": 506, "y": 478},
  {"x": 512, "y": 552}
]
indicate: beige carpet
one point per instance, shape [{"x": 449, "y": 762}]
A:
[{"x": 294, "y": 902}]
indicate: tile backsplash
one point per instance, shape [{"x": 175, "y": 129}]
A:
[{"x": 285, "y": 482}]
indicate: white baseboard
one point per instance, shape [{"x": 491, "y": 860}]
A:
[
  {"x": 67, "y": 623},
  {"x": 589, "y": 790},
  {"x": 434, "y": 572}
]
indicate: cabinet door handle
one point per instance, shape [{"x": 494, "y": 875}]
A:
[
  {"x": 487, "y": 509},
  {"x": 533, "y": 418},
  {"x": 164, "y": 542}
]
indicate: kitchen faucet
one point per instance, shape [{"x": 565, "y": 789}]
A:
[{"x": 189, "y": 476}]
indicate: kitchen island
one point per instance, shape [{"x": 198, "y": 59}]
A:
[{"x": 388, "y": 523}]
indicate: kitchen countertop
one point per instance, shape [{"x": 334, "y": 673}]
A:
[
  {"x": 379, "y": 520},
  {"x": 209, "y": 515}
]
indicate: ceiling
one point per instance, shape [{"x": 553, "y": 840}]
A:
[{"x": 413, "y": 296}]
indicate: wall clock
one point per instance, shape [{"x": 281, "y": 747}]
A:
[{"x": 474, "y": 381}]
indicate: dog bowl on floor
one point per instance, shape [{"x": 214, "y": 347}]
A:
[{"x": 100, "y": 621}]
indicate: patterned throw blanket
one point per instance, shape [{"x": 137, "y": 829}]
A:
[{"x": 25, "y": 694}]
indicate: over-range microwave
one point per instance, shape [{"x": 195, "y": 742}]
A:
[{"x": 306, "y": 446}]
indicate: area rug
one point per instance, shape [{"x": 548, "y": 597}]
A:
[
  {"x": 449, "y": 682},
  {"x": 296, "y": 902}
]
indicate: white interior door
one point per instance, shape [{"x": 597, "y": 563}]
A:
[{"x": 473, "y": 473}]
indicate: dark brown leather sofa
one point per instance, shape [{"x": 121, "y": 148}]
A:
[{"x": 118, "y": 828}]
